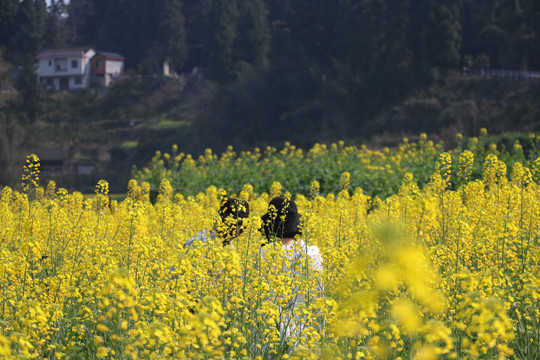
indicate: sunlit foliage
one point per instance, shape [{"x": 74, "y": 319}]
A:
[{"x": 377, "y": 172}]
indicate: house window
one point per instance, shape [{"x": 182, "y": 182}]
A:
[
  {"x": 78, "y": 80},
  {"x": 74, "y": 64},
  {"x": 48, "y": 83},
  {"x": 98, "y": 63},
  {"x": 50, "y": 63}
]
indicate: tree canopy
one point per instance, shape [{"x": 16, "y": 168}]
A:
[{"x": 369, "y": 36}]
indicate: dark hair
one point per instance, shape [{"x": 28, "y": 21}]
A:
[
  {"x": 237, "y": 208},
  {"x": 281, "y": 220},
  {"x": 232, "y": 212}
]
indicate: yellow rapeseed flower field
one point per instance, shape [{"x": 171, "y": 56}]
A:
[{"x": 439, "y": 272}]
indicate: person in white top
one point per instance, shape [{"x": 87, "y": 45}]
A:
[
  {"x": 232, "y": 213},
  {"x": 281, "y": 224},
  {"x": 227, "y": 228}
]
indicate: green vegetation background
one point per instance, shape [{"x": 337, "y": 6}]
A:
[
  {"x": 267, "y": 71},
  {"x": 324, "y": 170}
]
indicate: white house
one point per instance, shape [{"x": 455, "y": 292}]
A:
[
  {"x": 105, "y": 67},
  {"x": 65, "y": 69}
]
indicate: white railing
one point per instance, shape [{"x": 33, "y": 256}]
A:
[{"x": 508, "y": 74}]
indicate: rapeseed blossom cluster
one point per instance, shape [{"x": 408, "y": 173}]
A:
[
  {"x": 443, "y": 271},
  {"x": 377, "y": 172},
  {"x": 465, "y": 167},
  {"x": 30, "y": 177}
]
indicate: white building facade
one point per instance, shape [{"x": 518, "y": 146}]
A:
[
  {"x": 106, "y": 67},
  {"x": 65, "y": 69}
]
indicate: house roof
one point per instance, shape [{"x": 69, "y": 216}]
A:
[
  {"x": 110, "y": 55},
  {"x": 49, "y": 154},
  {"x": 64, "y": 52}
]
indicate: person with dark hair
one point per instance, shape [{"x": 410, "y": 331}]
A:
[
  {"x": 281, "y": 224},
  {"x": 281, "y": 221},
  {"x": 232, "y": 213},
  {"x": 226, "y": 229}
]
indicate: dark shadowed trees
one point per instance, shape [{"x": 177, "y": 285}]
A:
[
  {"x": 253, "y": 32},
  {"x": 171, "y": 34}
]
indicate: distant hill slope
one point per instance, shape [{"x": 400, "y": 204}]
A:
[
  {"x": 462, "y": 104},
  {"x": 140, "y": 115}
]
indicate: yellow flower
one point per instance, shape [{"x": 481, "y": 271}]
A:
[
  {"x": 102, "y": 352},
  {"x": 5, "y": 347},
  {"x": 102, "y": 328},
  {"x": 426, "y": 352},
  {"x": 407, "y": 315}
]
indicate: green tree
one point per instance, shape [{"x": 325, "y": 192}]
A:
[
  {"x": 435, "y": 36},
  {"x": 30, "y": 90},
  {"x": 531, "y": 11},
  {"x": 312, "y": 26},
  {"x": 146, "y": 32},
  {"x": 80, "y": 15},
  {"x": 171, "y": 35},
  {"x": 55, "y": 34},
  {"x": 8, "y": 18},
  {"x": 220, "y": 40},
  {"x": 127, "y": 30},
  {"x": 500, "y": 33},
  {"x": 253, "y": 40},
  {"x": 11, "y": 134},
  {"x": 26, "y": 40},
  {"x": 358, "y": 56},
  {"x": 196, "y": 24},
  {"x": 26, "y": 43}
]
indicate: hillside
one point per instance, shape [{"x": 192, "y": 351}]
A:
[{"x": 139, "y": 115}]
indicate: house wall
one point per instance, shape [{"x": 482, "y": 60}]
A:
[
  {"x": 113, "y": 68},
  {"x": 98, "y": 60},
  {"x": 74, "y": 66}
]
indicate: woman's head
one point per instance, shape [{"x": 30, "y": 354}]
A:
[
  {"x": 281, "y": 220},
  {"x": 232, "y": 212}
]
